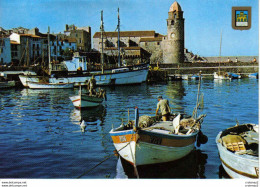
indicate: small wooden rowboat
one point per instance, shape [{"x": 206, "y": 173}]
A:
[
  {"x": 238, "y": 151},
  {"x": 84, "y": 100},
  {"x": 38, "y": 85},
  {"x": 163, "y": 141}
]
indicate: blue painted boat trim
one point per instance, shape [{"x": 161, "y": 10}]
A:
[{"x": 120, "y": 133}]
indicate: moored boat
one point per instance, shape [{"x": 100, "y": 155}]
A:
[
  {"x": 153, "y": 141},
  {"x": 195, "y": 77},
  {"x": 234, "y": 76},
  {"x": 221, "y": 75},
  {"x": 38, "y": 85},
  {"x": 7, "y": 84},
  {"x": 238, "y": 151},
  {"x": 253, "y": 75},
  {"x": 84, "y": 100}
]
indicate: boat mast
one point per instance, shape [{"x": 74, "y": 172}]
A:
[
  {"x": 118, "y": 28},
  {"x": 27, "y": 53},
  {"x": 56, "y": 57},
  {"x": 49, "y": 50},
  {"x": 102, "y": 39},
  {"x": 220, "y": 50},
  {"x": 42, "y": 65},
  {"x": 220, "y": 45}
]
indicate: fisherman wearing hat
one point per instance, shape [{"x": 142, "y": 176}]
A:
[
  {"x": 92, "y": 86},
  {"x": 163, "y": 105}
]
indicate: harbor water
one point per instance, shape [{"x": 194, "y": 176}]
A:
[{"x": 40, "y": 136}]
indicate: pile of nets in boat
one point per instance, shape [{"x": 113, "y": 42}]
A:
[{"x": 146, "y": 121}]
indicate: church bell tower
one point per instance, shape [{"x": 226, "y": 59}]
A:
[{"x": 173, "y": 47}]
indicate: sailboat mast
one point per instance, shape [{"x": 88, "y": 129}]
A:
[
  {"x": 102, "y": 40},
  {"x": 49, "y": 51},
  {"x": 118, "y": 28},
  {"x": 27, "y": 53},
  {"x": 220, "y": 45}
]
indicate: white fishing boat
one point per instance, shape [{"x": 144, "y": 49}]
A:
[
  {"x": 221, "y": 75},
  {"x": 38, "y": 85},
  {"x": 7, "y": 84},
  {"x": 238, "y": 151},
  {"x": 84, "y": 100},
  {"x": 133, "y": 75},
  {"x": 149, "y": 141},
  {"x": 29, "y": 78}
]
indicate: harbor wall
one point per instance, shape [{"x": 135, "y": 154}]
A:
[{"x": 165, "y": 70}]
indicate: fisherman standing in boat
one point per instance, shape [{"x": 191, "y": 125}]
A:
[
  {"x": 163, "y": 105},
  {"x": 92, "y": 86}
]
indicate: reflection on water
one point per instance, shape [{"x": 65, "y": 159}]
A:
[
  {"x": 191, "y": 166},
  {"x": 93, "y": 118},
  {"x": 88, "y": 115}
]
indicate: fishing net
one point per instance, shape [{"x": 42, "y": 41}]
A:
[{"x": 146, "y": 121}]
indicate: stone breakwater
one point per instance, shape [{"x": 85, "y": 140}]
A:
[{"x": 164, "y": 70}]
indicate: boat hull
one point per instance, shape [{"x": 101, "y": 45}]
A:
[
  {"x": 85, "y": 101},
  {"x": 147, "y": 148},
  {"x": 219, "y": 76},
  {"x": 37, "y": 85},
  {"x": 8, "y": 84},
  {"x": 28, "y": 78},
  {"x": 136, "y": 76},
  {"x": 238, "y": 166}
]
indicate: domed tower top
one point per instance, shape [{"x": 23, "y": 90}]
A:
[
  {"x": 175, "y": 11},
  {"x": 175, "y": 7}
]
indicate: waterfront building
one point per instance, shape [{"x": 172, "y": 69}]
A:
[
  {"x": 82, "y": 35},
  {"x": 173, "y": 42},
  {"x": 58, "y": 48},
  {"x": 134, "y": 44},
  {"x": 5, "y": 50},
  {"x": 28, "y": 49}
]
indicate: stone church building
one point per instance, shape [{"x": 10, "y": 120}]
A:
[{"x": 143, "y": 46}]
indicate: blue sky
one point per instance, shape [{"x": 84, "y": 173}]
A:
[{"x": 204, "y": 20}]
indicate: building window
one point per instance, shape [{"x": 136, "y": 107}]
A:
[
  {"x": 80, "y": 40},
  {"x": 158, "y": 43}
]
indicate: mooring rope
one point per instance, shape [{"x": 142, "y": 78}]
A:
[{"x": 109, "y": 156}]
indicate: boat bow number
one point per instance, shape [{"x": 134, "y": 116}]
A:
[{"x": 156, "y": 140}]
